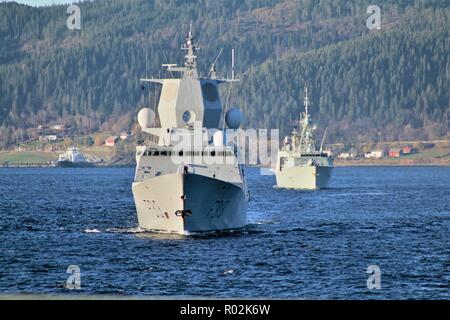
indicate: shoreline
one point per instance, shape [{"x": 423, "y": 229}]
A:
[
  {"x": 348, "y": 164},
  {"x": 392, "y": 165},
  {"x": 31, "y": 166},
  {"x": 336, "y": 164}
]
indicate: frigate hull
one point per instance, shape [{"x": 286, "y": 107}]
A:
[
  {"x": 185, "y": 203},
  {"x": 304, "y": 177}
]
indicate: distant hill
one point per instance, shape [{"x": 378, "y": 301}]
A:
[{"x": 367, "y": 85}]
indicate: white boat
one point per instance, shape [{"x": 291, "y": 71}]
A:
[{"x": 73, "y": 158}]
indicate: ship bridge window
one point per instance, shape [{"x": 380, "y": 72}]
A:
[{"x": 212, "y": 153}]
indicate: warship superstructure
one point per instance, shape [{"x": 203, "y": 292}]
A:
[
  {"x": 190, "y": 180},
  {"x": 300, "y": 165}
]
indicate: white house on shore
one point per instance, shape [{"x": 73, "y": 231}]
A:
[
  {"x": 347, "y": 155},
  {"x": 124, "y": 135},
  {"x": 375, "y": 154}
]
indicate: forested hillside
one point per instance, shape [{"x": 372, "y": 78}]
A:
[
  {"x": 386, "y": 86},
  {"x": 367, "y": 84}
]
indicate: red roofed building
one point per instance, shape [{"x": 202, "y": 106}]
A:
[
  {"x": 407, "y": 150},
  {"x": 111, "y": 141},
  {"x": 395, "y": 153}
]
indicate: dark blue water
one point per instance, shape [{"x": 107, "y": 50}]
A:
[{"x": 299, "y": 244}]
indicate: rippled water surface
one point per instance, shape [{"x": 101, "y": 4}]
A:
[{"x": 299, "y": 244}]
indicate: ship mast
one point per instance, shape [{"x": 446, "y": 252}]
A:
[
  {"x": 190, "y": 47},
  {"x": 188, "y": 98},
  {"x": 306, "y": 139},
  {"x": 306, "y": 103}
]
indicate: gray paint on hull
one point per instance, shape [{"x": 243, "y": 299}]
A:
[
  {"x": 215, "y": 204},
  {"x": 304, "y": 177}
]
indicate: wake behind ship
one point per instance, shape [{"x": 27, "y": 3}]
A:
[{"x": 190, "y": 181}]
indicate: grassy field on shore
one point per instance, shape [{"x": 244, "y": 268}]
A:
[
  {"x": 43, "y": 157},
  {"x": 27, "y": 157},
  {"x": 434, "y": 156}
]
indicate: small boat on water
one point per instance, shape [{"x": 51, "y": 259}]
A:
[{"x": 72, "y": 158}]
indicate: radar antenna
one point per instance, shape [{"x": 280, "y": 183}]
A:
[{"x": 189, "y": 46}]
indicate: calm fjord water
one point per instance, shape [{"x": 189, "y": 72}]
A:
[{"x": 299, "y": 244}]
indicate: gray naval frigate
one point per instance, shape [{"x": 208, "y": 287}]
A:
[
  {"x": 190, "y": 180},
  {"x": 299, "y": 164}
]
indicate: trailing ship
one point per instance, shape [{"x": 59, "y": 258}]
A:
[
  {"x": 74, "y": 159},
  {"x": 190, "y": 180},
  {"x": 299, "y": 164}
]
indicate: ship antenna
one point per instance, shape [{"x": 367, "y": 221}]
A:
[
  {"x": 146, "y": 58},
  {"x": 229, "y": 89},
  {"x": 212, "y": 70},
  {"x": 167, "y": 62},
  {"x": 232, "y": 64},
  {"x": 306, "y": 102},
  {"x": 305, "y": 121},
  {"x": 323, "y": 139},
  {"x": 189, "y": 46}
]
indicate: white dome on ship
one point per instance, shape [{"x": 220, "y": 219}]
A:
[
  {"x": 218, "y": 138},
  {"x": 146, "y": 118}
]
